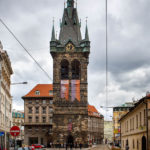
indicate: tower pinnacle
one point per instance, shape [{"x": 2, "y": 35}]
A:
[
  {"x": 86, "y": 32},
  {"x": 53, "y": 33}
]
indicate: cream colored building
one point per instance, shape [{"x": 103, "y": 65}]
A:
[
  {"x": 5, "y": 97},
  {"x": 134, "y": 127},
  {"x": 108, "y": 131}
]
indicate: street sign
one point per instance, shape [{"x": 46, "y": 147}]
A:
[
  {"x": 15, "y": 131},
  {"x": 2, "y": 133}
]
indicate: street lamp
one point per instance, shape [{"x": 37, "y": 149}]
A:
[{"x": 19, "y": 83}]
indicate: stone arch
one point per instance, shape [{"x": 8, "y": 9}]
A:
[
  {"x": 76, "y": 69},
  {"x": 64, "y": 71}
]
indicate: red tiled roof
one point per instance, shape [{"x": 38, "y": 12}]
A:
[
  {"x": 92, "y": 111},
  {"x": 43, "y": 89}
]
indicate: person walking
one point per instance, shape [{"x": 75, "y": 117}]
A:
[{"x": 127, "y": 147}]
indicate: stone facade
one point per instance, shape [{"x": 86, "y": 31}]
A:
[
  {"x": 70, "y": 121},
  {"x": 5, "y": 97},
  {"x": 135, "y": 126}
]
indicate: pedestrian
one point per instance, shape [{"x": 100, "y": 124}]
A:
[
  {"x": 80, "y": 145},
  {"x": 127, "y": 147}
]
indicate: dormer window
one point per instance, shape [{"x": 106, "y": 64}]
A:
[
  {"x": 50, "y": 92},
  {"x": 37, "y": 92}
]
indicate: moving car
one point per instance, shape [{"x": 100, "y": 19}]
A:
[{"x": 37, "y": 146}]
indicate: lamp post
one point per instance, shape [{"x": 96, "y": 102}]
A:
[{"x": 19, "y": 83}]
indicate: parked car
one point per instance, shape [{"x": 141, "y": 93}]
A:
[
  {"x": 24, "y": 148},
  {"x": 37, "y": 146}
]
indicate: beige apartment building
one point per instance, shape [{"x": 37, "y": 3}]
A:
[
  {"x": 95, "y": 126},
  {"x": 38, "y": 115},
  {"x": 118, "y": 112},
  {"x": 135, "y": 126},
  {"x": 5, "y": 98}
]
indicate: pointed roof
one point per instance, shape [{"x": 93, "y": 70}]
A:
[
  {"x": 70, "y": 27},
  {"x": 53, "y": 33},
  {"x": 44, "y": 91},
  {"x": 86, "y": 33}
]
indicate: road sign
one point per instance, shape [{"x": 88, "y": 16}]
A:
[
  {"x": 15, "y": 131},
  {"x": 2, "y": 133}
]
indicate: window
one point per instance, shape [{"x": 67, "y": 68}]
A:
[
  {"x": 30, "y": 119},
  {"x": 37, "y": 101},
  {"x": 75, "y": 69},
  {"x": 133, "y": 144},
  {"x": 44, "y": 119},
  {"x": 37, "y": 110},
  {"x": 50, "y": 92},
  {"x": 51, "y": 102},
  {"x": 37, "y": 92},
  {"x": 50, "y": 110},
  {"x": 137, "y": 144},
  {"x": 30, "y": 110},
  {"x": 37, "y": 119},
  {"x": 29, "y": 128},
  {"x": 64, "y": 69},
  {"x": 50, "y": 120},
  {"x": 30, "y": 102},
  {"x": 44, "y": 101},
  {"x": 137, "y": 121},
  {"x": 140, "y": 118},
  {"x": 144, "y": 117},
  {"x": 44, "y": 110}
]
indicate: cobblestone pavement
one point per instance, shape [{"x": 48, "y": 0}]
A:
[{"x": 98, "y": 147}]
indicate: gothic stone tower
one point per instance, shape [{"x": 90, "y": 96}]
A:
[{"x": 70, "y": 61}]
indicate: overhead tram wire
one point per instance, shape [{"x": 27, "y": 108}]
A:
[
  {"x": 106, "y": 57},
  {"x": 25, "y": 49}
]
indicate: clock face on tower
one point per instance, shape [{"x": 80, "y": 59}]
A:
[{"x": 70, "y": 47}]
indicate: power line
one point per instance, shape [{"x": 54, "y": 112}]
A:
[
  {"x": 106, "y": 56},
  {"x": 25, "y": 49}
]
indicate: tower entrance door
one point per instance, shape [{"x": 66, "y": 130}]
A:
[{"x": 70, "y": 140}]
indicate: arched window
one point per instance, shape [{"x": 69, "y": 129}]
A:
[
  {"x": 75, "y": 69},
  {"x": 64, "y": 69}
]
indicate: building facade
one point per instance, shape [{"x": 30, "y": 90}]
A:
[
  {"x": 108, "y": 131},
  {"x": 118, "y": 112},
  {"x": 38, "y": 109},
  {"x": 18, "y": 120},
  {"x": 5, "y": 98},
  {"x": 38, "y": 127},
  {"x": 95, "y": 126},
  {"x": 135, "y": 126},
  {"x": 70, "y": 64}
]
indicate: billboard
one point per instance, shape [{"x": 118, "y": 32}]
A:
[
  {"x": 75, "y": 90},
  {"x": 65, "y": 89}
]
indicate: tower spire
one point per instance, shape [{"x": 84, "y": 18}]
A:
[
  {"x": 53, "y": 32},
  {"x": 86, "y": 32}
]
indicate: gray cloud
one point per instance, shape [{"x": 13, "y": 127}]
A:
[{"x": 128, "y": 45}]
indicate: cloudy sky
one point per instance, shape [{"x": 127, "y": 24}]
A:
[{"x": 128, "y": 46}]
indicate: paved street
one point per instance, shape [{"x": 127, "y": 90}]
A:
[{"x": 99, "y": 147}]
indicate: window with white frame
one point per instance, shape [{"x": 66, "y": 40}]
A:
[{"x": 37, "y": 92}]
